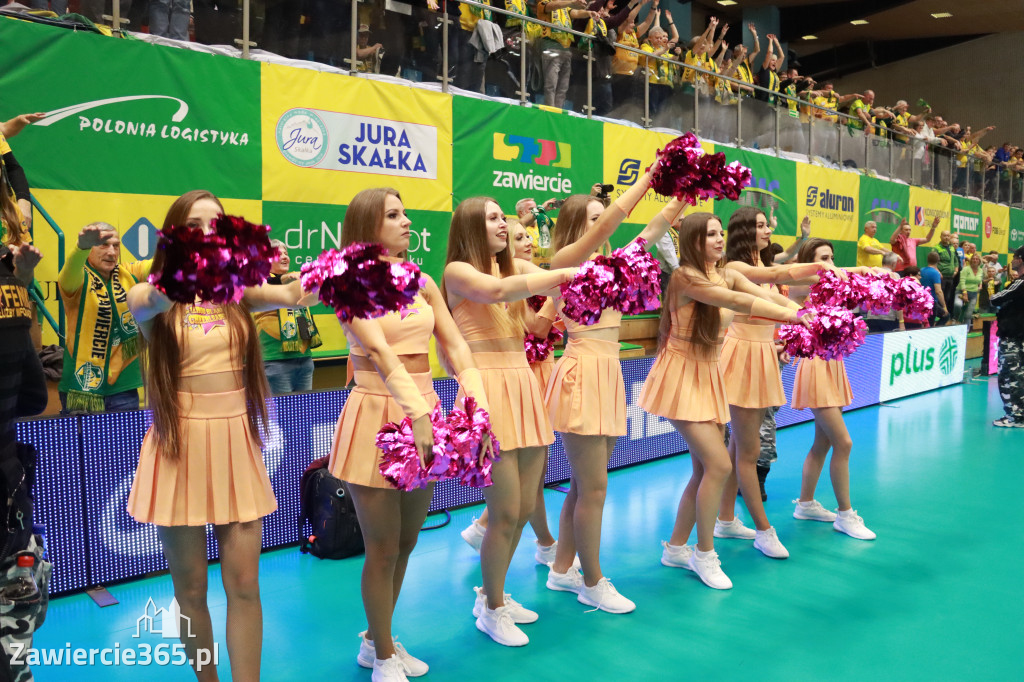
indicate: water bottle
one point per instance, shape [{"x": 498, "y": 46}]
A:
[{"x": 22, "y": 586}]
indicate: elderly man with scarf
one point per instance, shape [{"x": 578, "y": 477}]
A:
[{"x": 101, "y": 367}]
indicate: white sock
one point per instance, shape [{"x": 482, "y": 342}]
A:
[
  {"x": 704, "y": 555},
  {"x": 848, "y": 512}
]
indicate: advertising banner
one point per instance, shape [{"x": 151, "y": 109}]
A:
[
  {"x": 995, "y": 228},
  {"x": 772, "y": 189},
  {"x": 510, "y": 153},
  {"x": 966, "y": 219},
  {"x": 1016, "y": 238},
  {"x": 327, "y": 136},
  {"x": 921, "y": 360},
  {"x": 886, "y": 203},
  {"x": 627, "y": 152},
  {"x": 830, "y": 199},
  {"x": 170, "y": 121}
]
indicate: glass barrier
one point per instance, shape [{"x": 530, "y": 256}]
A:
[{"x": 594, "y": 68}]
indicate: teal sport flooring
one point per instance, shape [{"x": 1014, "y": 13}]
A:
[{"x": 939, "y": 595}]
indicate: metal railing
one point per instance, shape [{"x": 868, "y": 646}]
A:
[
  {"x": 58, "y": 325},
  {"x": 432, "y": 45}
]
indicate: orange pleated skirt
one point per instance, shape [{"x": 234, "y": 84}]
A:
[
  {"x": 750, "y": 366},
  {"x": 355, "y": 457},
  {"x": 821, "y": 383},
  {"x": 219, "y": 476},
  {"x": 686, "y": 384},
  {"x": 518, "y": 417},
  {"x": 586, "y": 393},
  {"x": 543, "y": 370}
]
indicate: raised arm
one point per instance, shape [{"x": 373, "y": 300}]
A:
[
  {"x": 73, "y": 273},
  {"x": 145, "y": 302},
  {"x": 674, "y": 38},
  {"x": 26, "y": 257},
  {"x": 13, "y": 126},
  {"x": 658, "y": 227},
  {"x": 931, "y": 230},
  {"x": 274, "y": 296},
  {"x": 744, "y": 302},
  {"x": 579, "y": 251},
  {"x": 465, "y": 281},
  {"x": 795, "y": 273},
  {"x": 757, "y": 43},
  {"x": 791, "y": 250}
]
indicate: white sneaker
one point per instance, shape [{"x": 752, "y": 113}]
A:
[
  {"x": 812, "y": 511},
  {"x": 498, "y": 625},
  {"x": 474, "y": 535},
  {"x": 852, "y": 524},
  {"x": 733, "y": 529},
  {"x": 604, "y": 596},
  {"x": 768, "y": 542},
  {"x": 545, "y": 554},
  {"x": 570, "y": 581},
  {"x": 677, "y": 557},
  {"x": 709, "y": 569},
  {"x": 520, "y": 614},
  {"x": 390, "y": 670},
  {"x": 414, "y": 667}
]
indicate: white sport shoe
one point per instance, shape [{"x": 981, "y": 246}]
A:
[
  {"x": 812, "y": 511},
  {"x": 474, "y": 535},
  {"x": 520, "y": 614},
  {"x": 545, "y": 554},
  {"x": 570, "y": 581},
  {"x": 733, "y": 529},
  {"x": 498, "y": 625},
  {"x": 709, "y": 569},
  {"x": 604, "y": 596},
  {"x": 389, "y": 670},
  {"x": 852, "y": 524},
  {"x": 677, "y": 557},
  {"x": 768, "y": 543},
  {"x": 414, "y": 667}
]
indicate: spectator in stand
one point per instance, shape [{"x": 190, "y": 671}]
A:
[
  {"x": 469, "y": 73},
  {"x": 742, "y": 60},
  {"x": 869, "y": 249},
  {"x": 905, "y": 246},
  {"x": 601, "y": 24},
  {"x": 101, "y": 368},
  {"x": 660, "y": 72},
  {"x": 555, "y": 46},
  {"x": 892, "y": 320},
  {"x": 667, "y": 252},
  {"x": 626, "y": 81},
  {"x": 948, "y": 265},
  {"x": 169, "y": 18},
  {"x": 1009, "y": 305},
  {"x": 931, "y": 280},
  {"x": 967, "y": 291},
  {"x": 287, "y": 336},
  {"x": 368, "y": 55},
  {"x": 538, "y": 225},
  {"x": 830, "y": 100},
  {"x": 768, "y": 76},
  {"x": 862, "y": 113},
  {"x": 58, "y": 7}
]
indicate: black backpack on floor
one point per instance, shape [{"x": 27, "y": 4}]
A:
[{"x": 326, "y": 503}]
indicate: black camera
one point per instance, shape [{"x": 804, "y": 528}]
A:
[{"x": 605, "y": 191}]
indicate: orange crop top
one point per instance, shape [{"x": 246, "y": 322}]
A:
[
  {"x": 682, "y": 322},
  {"x": 207, "y": 347},
  {"x": 476, "y": 321},
  {"x": 610, "y": 319},
  {"x": 407, "y": 331}
]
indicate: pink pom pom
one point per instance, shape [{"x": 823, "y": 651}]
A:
[
  {"x": 593, "y": 289},
  {"x": 466, "y": 431},
  {"x": 629, "y": 280},
  {"x": 914, "y": 300},
  {"x": 536, "y": 303},
  {"x": 686, "y": 172},
  {"x": 538, "y": 349},
  {"x": 874, "y": 292},
  {"x": 355, "y": 282},
  {"x": 834, "y": 333},
  {"x": 400, "y": 461}
]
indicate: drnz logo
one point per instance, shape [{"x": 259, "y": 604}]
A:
[
  {"x": 829, "y": 200},
  {"x": 629, "y": 171},
  {"x": 531, "y": 150}
]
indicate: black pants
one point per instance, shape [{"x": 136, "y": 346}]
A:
[{"x": 948, "y": 294}]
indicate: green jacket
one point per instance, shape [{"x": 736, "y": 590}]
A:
[{"x": 948, "y": 260}]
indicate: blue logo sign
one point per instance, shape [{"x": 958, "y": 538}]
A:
[
  {"x": 629, "y": 171},
  {"x": 140, "y": 239}
]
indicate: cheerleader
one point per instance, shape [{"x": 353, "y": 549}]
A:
[
  {"x": 822, "y": 386},
  {"x": 485, "y": 286},
  {"x": 539, "y": 324},
  {"x": 201, "y": 461},
  {"x": 586, "y": 397},
  {"x": 685, "y": 384},
  {"x": 750, "y": 368}
]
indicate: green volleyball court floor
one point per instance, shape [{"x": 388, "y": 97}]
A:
[{"x": 939, "y": 595}]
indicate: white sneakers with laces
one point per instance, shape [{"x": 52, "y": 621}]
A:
[
  {"x": 852, "y": 524},
  {"x": 519, "y": 613},
  {"x": 473, "y": 534},
  {"x": 812, "y": 511},
  {"x": 570, "y": 581},
  {"x": 499, "y": 626},
  {"x": 733, "y": 529},
  {"x": 367, "y": 656},
  {"x": 604, "y": 596},
  {"x": 676, "y": 556},
  {"x": 389, "y": 670},
  {"x": 708, "y": 568},
  {"x": 767, "y": 541}
]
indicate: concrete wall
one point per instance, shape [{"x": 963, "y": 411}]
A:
[{"x": 977, "y": 83}]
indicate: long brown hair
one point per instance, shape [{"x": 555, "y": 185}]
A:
[
  {"x": 364, "y": 216},
  {"x": 741, "y": 237},
  {"x": 467, "y": 243},
  {"x": 10, "y": 214},
  {"x": 693, "y": 235},
  {"x": 810, "y": 247},
  {"x": 162, "y": 352},
  {"x": 572, "y": 220}
]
